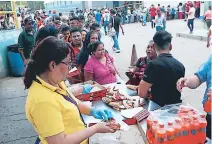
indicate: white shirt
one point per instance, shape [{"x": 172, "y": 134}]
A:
[
  {"x": 159, "y": 20},
  {"x": 180, "y": 8},
  {"x": 192, "y": 13}
]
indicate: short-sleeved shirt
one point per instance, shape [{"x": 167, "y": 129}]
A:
[
  {"x": 208, "y": 15},
  {"x": 74, "y": 52},
  {"x": 26, "y": 42},
  {"x": 192, "y": 15},
  {"x": 163, "y": 73},
  {"x": 115, "y": 23},
  {"x": 142, "y": 64},
  {"x": 153, "y": 11},
  {"x": 204, "y": 75},
  {"x": 102, "y": 74},
  {"x": 49, "y": 112}
]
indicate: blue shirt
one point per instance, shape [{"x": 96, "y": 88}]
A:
[
  {"x": 204, "y": 74},
  {"x": 98, "y": 16}
]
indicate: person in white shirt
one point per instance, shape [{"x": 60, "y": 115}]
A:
[{"x": 191, "y": 17}]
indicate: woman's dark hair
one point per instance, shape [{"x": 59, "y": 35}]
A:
[
  {"x": 83, "y": 56},
  {"x": 162, "y": 39},
  {"x": 44, "y": 32},
  {"x": 93, "y": 46},
  {"x": 49, "y": 49}
]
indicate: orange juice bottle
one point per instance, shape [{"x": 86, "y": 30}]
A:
[
  {"x": 161, "y": 136},
  {"x": 149, "y": 133},
  {"x": 194, "y": 128},
  {"x": 178, "y": 130},
  {"x": 170, "y": 131},
  {"x": 202, "y": 129},
  {"x": 154, "y": 129},
  {"x": 185, "y": 130},
  {"x": 207, "y": 105}
]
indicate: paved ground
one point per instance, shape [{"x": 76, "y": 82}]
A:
[{"x": 15, "y": 129}]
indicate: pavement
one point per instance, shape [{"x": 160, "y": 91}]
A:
[{"x": 14, "y": 127}]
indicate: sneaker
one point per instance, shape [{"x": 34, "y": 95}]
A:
[
  {"x": 190, "y": 32},
  {"x": 117, "y": 51}
]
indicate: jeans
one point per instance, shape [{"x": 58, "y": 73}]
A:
[
  {"x": 129, "y": 19},
  {"x": 138, "y": 18},
  {"x": 191, "y": 24},
  {"x": 115, "y": 40},
  {"x": 123, "y": 19},
  {"x": 106, "y": 24},
  {"x": 152, "y": 23},
  {"x": 158, "y": 28},
  {"x": 144, "y": 19},
  {"x": 98, "y": 22}
]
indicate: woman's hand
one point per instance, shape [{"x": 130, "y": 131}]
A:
[
  {"x": 103, "y": 128},
  {"x": 101, "y": 114}
]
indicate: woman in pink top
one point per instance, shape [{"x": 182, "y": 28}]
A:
[
  {"x": 100, "y": 66},
  {"x": 208, "y": 17}
]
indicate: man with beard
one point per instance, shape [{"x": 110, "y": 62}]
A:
[
  {"x": 76, "y": 44},
  {"x": 26, "y": 40}
]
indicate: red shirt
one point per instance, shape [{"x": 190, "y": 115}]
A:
[{"x": 153, "y": 11}]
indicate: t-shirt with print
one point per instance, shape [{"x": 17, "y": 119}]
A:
[{"x": 115, "y": 23}]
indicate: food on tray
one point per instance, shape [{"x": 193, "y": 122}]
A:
[
  {"x": 128, "y": 104},
  {"x": 107, "y": 100},
  {"x": 95, "y": 88},
  {"x": 132, "y": 87},
  {"x": 118, "y": 96},
  {"x": 113, "y": 124}
]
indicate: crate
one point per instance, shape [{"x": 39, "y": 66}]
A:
[{"x": 93, "y": 96}]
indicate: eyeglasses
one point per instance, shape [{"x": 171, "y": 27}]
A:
[{"x": 69, "y": 64}]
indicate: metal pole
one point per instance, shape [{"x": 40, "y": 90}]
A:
[{"x": 14, "y": 14}]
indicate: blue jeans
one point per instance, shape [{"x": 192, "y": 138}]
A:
[
  {"x": 115, "y": 40},
  {"x": 191, "y": 24},
  {"x": 144, "y": 19},
  {"x": 139, "y": 18},
  {"x": 106, "y": 24},
  {"x": 129, "y": 19},
  {"x": 123, "y": 19}
]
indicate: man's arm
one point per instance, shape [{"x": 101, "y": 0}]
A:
[
  {"x": 21, "y": 47},
  {"x": 143, "y": 88},
  {"x": 121, "y": 28}
]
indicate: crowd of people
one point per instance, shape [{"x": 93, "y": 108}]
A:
[{"x": 52, "y": 45}]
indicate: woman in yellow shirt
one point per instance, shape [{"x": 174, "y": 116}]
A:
[{"x": 51, "y": 109}]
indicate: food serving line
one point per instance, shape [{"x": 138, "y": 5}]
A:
[{"x": 133, "y": 129}]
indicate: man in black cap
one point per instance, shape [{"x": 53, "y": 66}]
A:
[{"x": 26, "y": 40}]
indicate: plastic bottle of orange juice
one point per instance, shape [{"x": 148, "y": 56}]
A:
[
  {"x": 202, "y": 129},
  {"x": 161, "y": 136},
  {"x": 154, "y": 130},
  {"x": 185, "y": 131},
  {"x": 149, "y": 127},
  {"x": 194, "y": 129},
  {"x": 170, "y": 131},
  {"x": 178, "y": 130}
]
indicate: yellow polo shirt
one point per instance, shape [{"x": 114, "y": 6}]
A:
[{"x": 50, "y": 113}]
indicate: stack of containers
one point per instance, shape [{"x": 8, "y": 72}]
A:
[{"x": 176, "y": 124}]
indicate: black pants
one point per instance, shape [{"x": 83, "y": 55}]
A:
[
  {"x": 208, "y": 128},
  {"x": 152, "y": 23},
  {"x": 191, "y": 24}
]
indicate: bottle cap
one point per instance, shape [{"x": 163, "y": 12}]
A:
[
  {"x": 202, "y": 115},
  {"x": 161, "y": 125},
  {"x": 170, "y": 123}
]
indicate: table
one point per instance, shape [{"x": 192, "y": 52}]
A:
[{"x": 135, "y": 135}]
